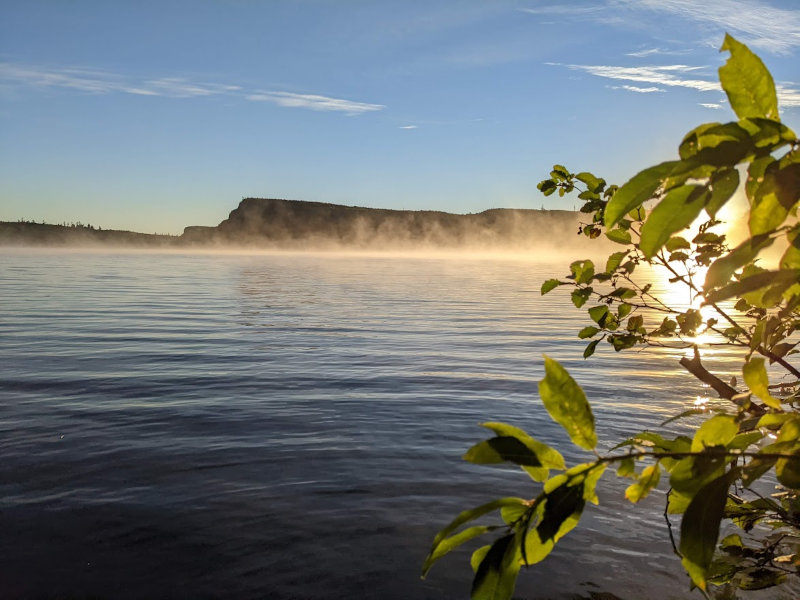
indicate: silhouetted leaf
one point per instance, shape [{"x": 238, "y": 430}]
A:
[
  {"x": 759, "y": 578},
  {"x": 676, "y": 210},
  {"x": 747, "y": 82},
  {"x": 700, "y": 528},
  {"x": 758, "y": 281},
  {"x": 565, "y": 401}
]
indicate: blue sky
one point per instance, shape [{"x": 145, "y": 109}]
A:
[{"x": 154, "y": 115}]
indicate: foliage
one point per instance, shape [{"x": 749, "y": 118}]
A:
[{"x": 754, "y": 433}]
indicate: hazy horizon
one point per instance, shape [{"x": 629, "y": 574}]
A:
[{"x": 154, "y": 116}]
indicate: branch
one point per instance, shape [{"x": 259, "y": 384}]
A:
[{"x": 694, "y": 366}]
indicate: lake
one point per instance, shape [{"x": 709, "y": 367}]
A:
[{"x": 290, "y": 426}]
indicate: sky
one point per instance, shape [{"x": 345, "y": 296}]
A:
[{"x": 155, "y": 115}]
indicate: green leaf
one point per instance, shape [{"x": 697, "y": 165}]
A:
[
  {"x": 639, "y": 189},
  {"x": 565, "y": 401},
  {"x": 677, "y": 243},
  {"x": 724, "y": 184},
  {"x": 599, "y": 314},
  {"x": 627, "y": 467},
  {"x": 755, "y": 282},
  {"x": 550, "y": 285},
  {"x": 563, "y": 503},
  {"x": 593, "y": 184},
  {"x": 716, "y": 431},
  {"x": 587, "y": 332},
  {"x": 646, "y": 482},
  {"x": 453, "y": 542},
  {"x": 590, "y": 348},
  {"x": 497, "y": 572},
  {"x": 619, "y": 236},
  {"x": 550, "y": 458},
  {"x": 478, "y": 556},
  {"x": 755, "y": 376},
  {"x": 614, "y": 260},
  {"x": 747, "y": 82},
  {"x": 700, "y": 528},
  {"x": 788, "y": 470},
  {"x": 582, "y": 271},
  {"x": 759, "y": 578},
  {"x": 502, "y": 449},
  {"x": 580, "y": 296},
  {"x": 674, "y": 212},
  {"x": 472, "y": 514}
]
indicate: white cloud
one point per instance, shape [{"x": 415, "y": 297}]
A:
[
  {"x": 787, "y": 96},
  {"x": 667, "y": 75},
  {"x": 656, "y": 51},
  {"x": 760, "y": 24},
  {"x": 710, "y": 105},
  {"x": 314, "y": 102},
  {"x": 641, "y": 90},
  {"x": 102, "y": 82},
  {"x": 408, "y": 127}
]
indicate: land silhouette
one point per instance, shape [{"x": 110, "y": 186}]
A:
[{"x": 295, "y": 224}]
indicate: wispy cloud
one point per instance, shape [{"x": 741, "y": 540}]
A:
[
  {"x": 713, "y": 105},
  {"x": 665, "y": 75},
  {"x": 656, "y": 52},
  {"x": 314, "y": 102},
  {"x": 758, "y": 23},
  {"x": 673, "y": 76},
  {"x": 103, "y": 82},
  {"x": 641, "y": 90},
  {"x": 408, "y": 127}
]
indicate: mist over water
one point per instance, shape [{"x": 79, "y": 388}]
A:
[{"x": 281, "y": 425}]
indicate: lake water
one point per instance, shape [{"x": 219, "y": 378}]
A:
[{"x": 291, "y": 426}]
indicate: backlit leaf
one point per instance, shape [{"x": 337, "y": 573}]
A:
[
  {"x": 646, "y": 482},
  {"x": 565, "y": 401},
  {"x": 755, "y": 376},
  {"x": 716, "y": 431},
  {"x": 723, "y": 185},
  {"x": 722, "y": 269},
  {"x": 619, "y": 236},
  {"x": 640, "y": 188},
  {"x": 674, "y": 212},
  {"x": 747, "y": 82},
  {"x": 453, "y": 542}
]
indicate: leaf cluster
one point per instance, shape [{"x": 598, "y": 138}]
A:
[{"x": 741, "y": 446}]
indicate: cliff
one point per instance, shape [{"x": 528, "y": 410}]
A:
[{"x": 269, "y": 222}]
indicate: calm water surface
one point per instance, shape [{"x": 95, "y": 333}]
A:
[{"x": 291, "y": 426}]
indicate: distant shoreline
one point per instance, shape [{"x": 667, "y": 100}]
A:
[{"x": 268, "y": 223}]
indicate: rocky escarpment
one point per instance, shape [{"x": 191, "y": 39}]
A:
[{"x": 271, "y": 222}]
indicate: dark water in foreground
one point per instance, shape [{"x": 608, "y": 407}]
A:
[{"x": 290, "y": 427}]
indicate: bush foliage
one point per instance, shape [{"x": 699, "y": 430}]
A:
[{"x": 753, "y": 433}]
